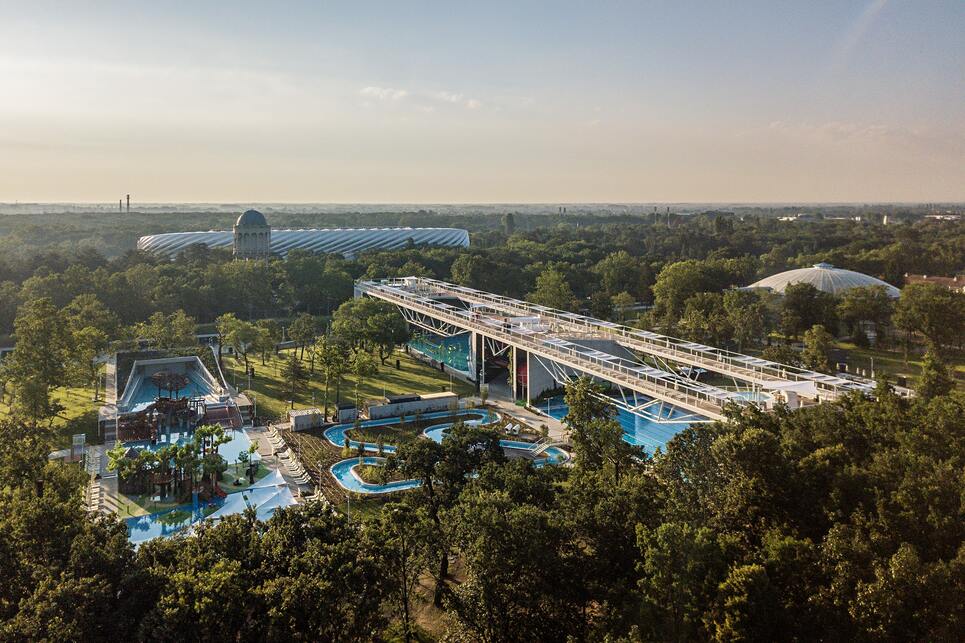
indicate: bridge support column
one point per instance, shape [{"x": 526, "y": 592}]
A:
[
  {"x": 513, "y": 380},
  {"x": 477, "y": 360},
  {"x": 538, "y": 379}
]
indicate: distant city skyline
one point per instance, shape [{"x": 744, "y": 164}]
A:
[{"x": 499, "y": 102}]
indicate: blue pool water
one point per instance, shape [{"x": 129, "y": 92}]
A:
[
  {"x": 146, "y": 393},
  {"x": 336, "y": 434},
  {"x": 348, "y": 479},
  {"x": 143, "y": 528},
  {"x": 554, "y": 455},
  {"x": 229, "y": 451},
  {"x": 343, "y": 471},
  {"x": 638, "y": 431},
  {"x": 451, "y": 351},
  {"x": 267, "y": 495}
]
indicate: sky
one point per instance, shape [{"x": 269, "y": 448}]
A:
[{"x": 483, "y": 102}]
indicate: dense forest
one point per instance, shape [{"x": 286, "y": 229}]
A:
[
  {"x": 839, "y": 522},
  {"x": 506, "y": 257}
]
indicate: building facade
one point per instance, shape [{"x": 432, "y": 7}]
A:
[{"x": 251, "y": 236}]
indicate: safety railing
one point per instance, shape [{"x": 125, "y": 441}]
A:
[
  {"x": 740, "y": 366},
  {"x": 701, "y": 399}
]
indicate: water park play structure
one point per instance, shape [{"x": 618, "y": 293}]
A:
[
  {"x": 163, "y": 395},
  {"x": 265, "y": 497},
  {"x": 345, "y": 471}
]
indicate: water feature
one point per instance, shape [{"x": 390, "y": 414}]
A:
[
  {"x": 451, "y": 351},
  {"x": 336, "y": 435},
  {"x": 650, "y": 434},
  {"x": 344, "y": 472},
  {"x": 346, "y": 476},
  {"x": 237, "y": 443}
]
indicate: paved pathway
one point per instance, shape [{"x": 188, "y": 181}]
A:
[{"x": 502, "y": 400}]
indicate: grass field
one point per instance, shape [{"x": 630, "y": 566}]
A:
[
  {"x": 79, "y": 414},
  {"x": 892, "y": 363},
  {"x": 271, "y": 394}
]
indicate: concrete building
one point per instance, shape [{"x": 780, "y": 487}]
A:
[
  {"x": 251, "y": 236},
  {"x": 956, "y": 283}
]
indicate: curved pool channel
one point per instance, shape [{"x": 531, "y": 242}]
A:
[{"x": 346, "y": 474}]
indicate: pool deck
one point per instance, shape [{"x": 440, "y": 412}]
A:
[
  {"x": 109, "y": 500},
  {"x": 504, "y": 405}
]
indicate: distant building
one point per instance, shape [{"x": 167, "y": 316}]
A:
[
  {"x": 253, "y": 238},
  {"x": 956, "y": 283},
  {"x": 823, "y": 276}
]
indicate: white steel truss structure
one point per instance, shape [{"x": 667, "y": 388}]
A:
[
  {"x": 431, "y": 324},
  {"x": 539, "y": 339},
  {"x": 484, "y": 307},
  {"x": 651, "y": 409}
]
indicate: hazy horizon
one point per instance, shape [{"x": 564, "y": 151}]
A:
[{"x": 763, "y": 103}]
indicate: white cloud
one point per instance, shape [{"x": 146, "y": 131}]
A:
[
  {"x": 455, "y": 98},
  {"x": 447, "y": 97},
  {"x": 384, "y": 93}
]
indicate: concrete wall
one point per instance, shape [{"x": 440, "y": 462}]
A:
[
  {"x": 440, "y": 403},
  {"x": 541, "y": 380}
]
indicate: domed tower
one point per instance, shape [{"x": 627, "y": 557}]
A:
[{"x": 252, "y": 236}]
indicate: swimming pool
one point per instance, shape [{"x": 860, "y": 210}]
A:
[
  {"x": 344, "y": 473},
  {"x": 554, "y": 455},
  {"x": 336, "y": 435},
  {"x": 146, "y": 392},
  {"x": 229, "y": 451},
  {"x": 451, "y": 351},
  {"x": 144, "y": 528},
  {"x": 266, "y": 496},
  {"x": 346, "y": 476},
  {"x": 637, "y": 430}
]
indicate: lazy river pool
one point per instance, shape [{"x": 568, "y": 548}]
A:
[{"x": 345, "y": 473}]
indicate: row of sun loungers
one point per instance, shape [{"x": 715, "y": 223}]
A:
[
  {"x": 278, "y": 444},
  {"x": 93, "y": 495},
  {"x": 286, "y": 456}
]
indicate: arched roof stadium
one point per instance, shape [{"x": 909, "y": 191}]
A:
[
  {"x": 345, "y": 241},
  {"x": 823, "y": 276}
]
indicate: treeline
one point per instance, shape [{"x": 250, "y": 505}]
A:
[
  {"x": 838, "y": 522},
  {"x": 597, "y": 261}
]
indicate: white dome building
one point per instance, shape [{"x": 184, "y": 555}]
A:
[{"x": 823, "y": 276}]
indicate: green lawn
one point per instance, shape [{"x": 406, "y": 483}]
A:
[
  {"x": 271, "y": 395},
  {"x": 228, "y": 477},
  {"x": 892, "y": 363},
  {"x": 79, "y": 414}
]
